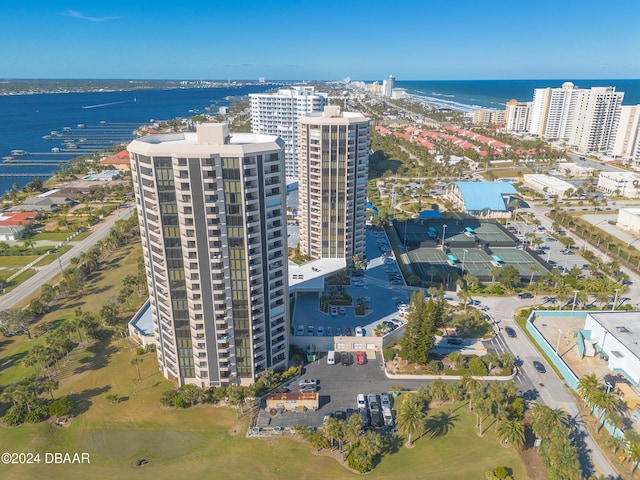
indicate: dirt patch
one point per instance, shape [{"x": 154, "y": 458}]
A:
[{"x": 236, "y": 429}]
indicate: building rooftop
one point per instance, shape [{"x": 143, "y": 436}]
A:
[
  {"x": 624, "y": 326},
  {"x": 309, "y": 277},
  {"x": 479, "y": 196}
]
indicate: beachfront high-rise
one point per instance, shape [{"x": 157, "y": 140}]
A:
[
  {"x": 627, "y": 140},
  {"x": 212, "y": 216},
  {"x": 278, "y": 114},
  {"x": 388, "y": 85},
  {"x": 585, "y": 118},
  {"x": 597, "y": 117},
  {"x": 333, "y": 164},
  {"x": 517, "y": 116}
]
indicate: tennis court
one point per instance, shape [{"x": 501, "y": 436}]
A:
[
  {"x": 476, "y": 262},
  {"x": 424, "y": 259},
  {"x": 521, "y": 260},
  {"x": 413, "y": 233}
]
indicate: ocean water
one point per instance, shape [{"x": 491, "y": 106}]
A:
[
  {"x": 108, "y": 118},
  {"x": 469, "y": 95}
]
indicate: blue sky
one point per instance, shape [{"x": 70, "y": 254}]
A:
[{"x": 324, "y": 40}]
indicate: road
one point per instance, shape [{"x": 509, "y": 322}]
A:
[{"x": 47, "y": 272}]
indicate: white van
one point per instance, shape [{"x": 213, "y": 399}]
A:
[{"x": 331, "y": 358}]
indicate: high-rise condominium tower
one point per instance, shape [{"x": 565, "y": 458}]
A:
[
  {"x": 213, "y": 224},
  {"x": 278, "y": 114},
  {"x": 333, "y": 153}
]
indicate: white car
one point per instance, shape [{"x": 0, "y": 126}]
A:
[
  {"x": 362, "y": 403},
  {"x": 308, "y": 382},
  {"x": 359, "y": 331},
  {"x": 320, "y": 331},
  {"x": 300, "y": 331}
]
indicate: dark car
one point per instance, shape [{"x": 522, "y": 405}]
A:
[
  {"x": 539, "y": 367},
  {"x": 346, "y": 359},
  {"x": 455, "y": 341},
  {"x": 525, "y": 295},
  {"x": 510, "y": 332}
]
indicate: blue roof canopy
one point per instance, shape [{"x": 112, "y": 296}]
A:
[
  {"x": 480, "y": 196},
  {"x": 430, "y": 214}
]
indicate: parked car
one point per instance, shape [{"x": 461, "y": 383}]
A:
[
  {"x": 525, "y": 295},
  {"x": 311, "y": 330},
  {"x": 359, "y": 331},
  {"x": 361, "y": 401},
  {"x": 385, "y": 400},
  {"x": 360, "y": 358},
  {"x": 455, "y": 341},
  {"x": 300, "y": 331},
  {"x": 320, "y": 331},
  {"x": 510, "y": 332},
  {"x": 308, "y": 382},
  {"x": 342, "y": 310},
  {"x": 539, "y": 367},
  {"x": 308, "y": 389},
  {"x": 346, "y": 359}
]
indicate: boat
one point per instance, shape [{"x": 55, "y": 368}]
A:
[
  {"x": 8, "y": 159},
  {"x": 81, "y": 125},
  {"x": 18, "y": 153},
  {"x": 71, "y": 145},
  {"x": 55, "y": 150},
  {"x": 103, "y": 122},
  {"x": 47, "y": 137},
  {"x": 66, "y": 129},
  {"x": 82, "y": 140}
]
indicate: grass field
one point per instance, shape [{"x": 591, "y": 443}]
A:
[{"x": 203, "y": 441}]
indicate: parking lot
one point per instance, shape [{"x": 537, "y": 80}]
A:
[{"x": 338, "y": 387}]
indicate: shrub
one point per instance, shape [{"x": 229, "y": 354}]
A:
[
  {"x": 14, "y": 415},
  {"x": 61, "y": 407},
  {"x": 166, "y": 399},
  {"x": 140, "y": 351},
  {"x": 150, "y": 348},
  {"x": 477, "y": 366},
  {"x": 178, "y": 401},
  {"x": 389, "y": 354}
]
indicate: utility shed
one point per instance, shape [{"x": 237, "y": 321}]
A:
[{"x": 293, "y": 402}]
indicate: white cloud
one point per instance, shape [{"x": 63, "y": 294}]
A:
[{"x": 82, "y": 16}]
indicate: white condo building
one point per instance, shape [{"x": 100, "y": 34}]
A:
[
  {"x": 553, "y": 111},
  {"x": 388, "y": 85},
  {"x": 212, "y": 216},
  {"x": 625, "y": 184},
  {"x": 517, "y": 116},
  {"x": 597, "y": 116},
  {"x": 627, "y": 139},
  {"x": 278, "y": 114},
  {"x": 333, "y": 168}
]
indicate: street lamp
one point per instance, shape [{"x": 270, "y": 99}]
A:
[
  {"x": 575, "y": 297},
  {"x": 464, "y": 256},
  {"x": 444, "y": 231},
  {"x": 615, "y": 300}
]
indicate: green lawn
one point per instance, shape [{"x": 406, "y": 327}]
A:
[
  {"x": 52, "y": 236},
  {"x": 16, "y": 260},
  {"x": 203, "y": 441}
]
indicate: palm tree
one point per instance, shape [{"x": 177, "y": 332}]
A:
[
  {"x": 546, "y": 419},
  {"x": 587, "y": 386},
  {"x": 136, "y": 363},
  {"x": 494, "y": 271},
  {"x": 371, "y": 443},
  {"x": 49, "y": 384},
  {"x": 411, "y": 419},
  {"x": 533, "y": 268},
  {"x": 483, "y": 409},
  {"x": 471, "y": 385},
  {"x": 633, "y": 455},
  {"x": 511, "y": 431}
]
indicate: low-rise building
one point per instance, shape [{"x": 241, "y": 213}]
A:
[
  {"x": 481, "y": 199},
  {"x": 547, "y": 184},
  {"x": 574, "y": 169},
  {"x": 488, "y": 117},
  {"x": 629, "y": 219},
  {"x": 119, "y": 161},
  {"x": 625, "y": 184}
]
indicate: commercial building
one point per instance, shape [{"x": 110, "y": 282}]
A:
[
  {"x": 627, "y": 138},
  {"x": 625, "y": 184},
  {"x": 517, "y": 116},
  {"x": 333, "y": 167},
  {"x": 212, "y": 215},
  {"x": 481, "y": 199},
  {"x": 574, "y": 169},
  {"x": 278, "y": 114},
  {"x": 614, "y": 335},
  {"x": 546, "y": 184},
  {"x": 629, "y": 219}
]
